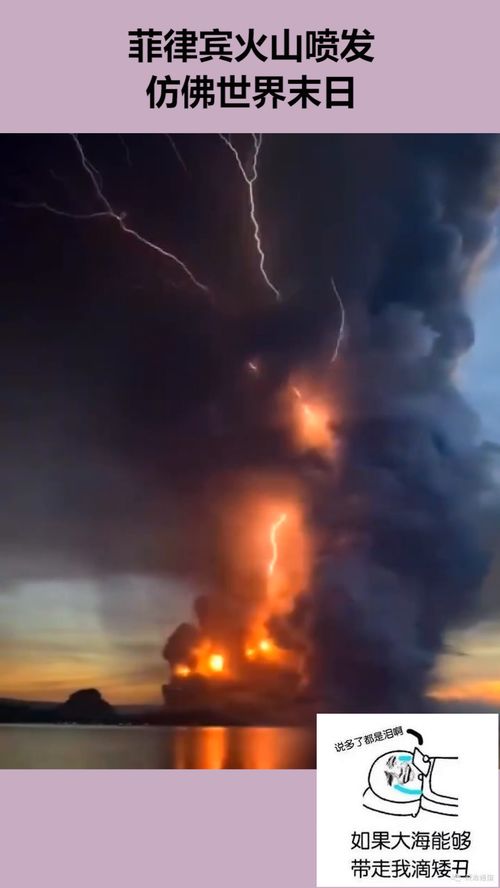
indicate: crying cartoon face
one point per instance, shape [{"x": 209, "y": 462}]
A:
[{"x": 394, "y": 777}]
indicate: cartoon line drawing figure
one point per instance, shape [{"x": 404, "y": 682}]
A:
[{"x": 403, "y": 783}]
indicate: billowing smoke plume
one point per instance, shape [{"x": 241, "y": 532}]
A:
[
  {"x": 401, "y": 556},
  {"x": 393, "y": 516}
]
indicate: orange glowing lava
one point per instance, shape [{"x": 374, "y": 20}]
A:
[
  {"x": 263, "y": 646},
  {"x": 216, "y": 662},
  {"x": 209, "y": 660},
  {"x": 266, "y": 651}
]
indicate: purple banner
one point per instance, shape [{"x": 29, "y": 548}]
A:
[
  {"x": 178, "y": 828},
  {"x": 66, "y": 67}
]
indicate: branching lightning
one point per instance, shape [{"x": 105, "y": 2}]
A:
[
  {"x": 250, "y": 180},
  {"x": 110, "y": 213},
  {"x": 249, "y": 173}
]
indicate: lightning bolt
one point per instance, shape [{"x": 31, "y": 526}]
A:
[
  {"x": 110, "y": 213},
  {"x": 274, "y": 543},
  {"x": 250, "y": 180},
  {"x": 341, "y": 330},
  {"x": 254, "y": 367},
  {"x": 177, "y": 153}
]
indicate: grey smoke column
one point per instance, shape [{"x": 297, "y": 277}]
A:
[{"x": 400, "y": 558}]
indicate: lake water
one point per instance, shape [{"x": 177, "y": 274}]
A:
[{"x": 68, "y": 746}]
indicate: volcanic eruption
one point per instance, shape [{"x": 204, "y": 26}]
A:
[
  {"x": 234, "y": 651},
  {"x": 341, "y": 501}
]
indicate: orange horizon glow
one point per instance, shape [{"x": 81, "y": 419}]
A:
[
  {"x": 18, "y": 683},
  {"x": 57, "y": 679},
  {"x": 477, "y": 690}
]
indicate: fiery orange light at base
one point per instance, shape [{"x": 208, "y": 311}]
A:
[
  {"x": 266, "y": 558},
  {"x": 261, "y": 645},
  {"x": 216, "y": 662},
  {"x": 287, "y": 570},
  {"x": 206, "y": 660}
]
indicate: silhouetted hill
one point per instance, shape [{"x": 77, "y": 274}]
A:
[{"x": 87, "y": 707}]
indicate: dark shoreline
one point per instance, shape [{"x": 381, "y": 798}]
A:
[{"x": 23, "y": 713}]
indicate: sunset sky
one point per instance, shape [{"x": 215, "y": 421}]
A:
[{"x": 54, "y": 637}]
